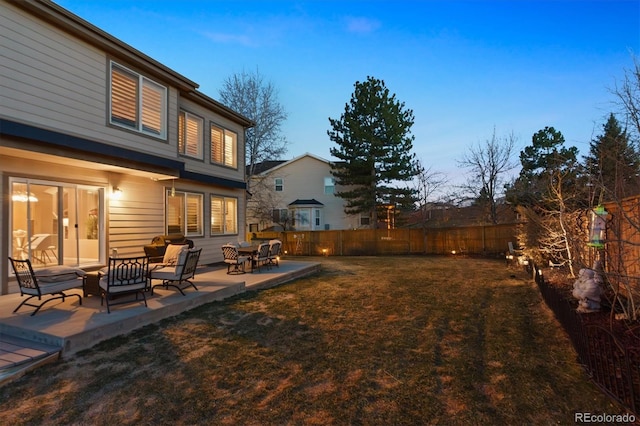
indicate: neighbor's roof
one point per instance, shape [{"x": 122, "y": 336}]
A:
[
  {"x": 311, "y": 202},
  {"x": 264, "y": 166},
  {"x": 276, "y": 164}
]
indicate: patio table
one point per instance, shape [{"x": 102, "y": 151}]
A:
[{"x": 249, "y": 251}]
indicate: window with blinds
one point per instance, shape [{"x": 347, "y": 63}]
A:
[
  {"x": 224, "y": 215},
  {"x": 217, "y": 215},
  {"x": 124, "y": 87},
  {"x": 224, "y": 147},
  {"x": 231, "y": 216},
  {"x": 137, "y": 103},
  {"x": 194, "y": 214},
  {"x": 190, "y": 135},
  {"x": 184, "y": 213}
]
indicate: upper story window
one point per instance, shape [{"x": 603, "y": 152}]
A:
[
  {"x": 224, "y": 147},
  {"x": 137, "y": 103},
  {"x": 279, "y": 184},
  {"x": 190, "y": 135},
  {"x": 329, "y": 185},
  {"x": 280, "y": 215}
]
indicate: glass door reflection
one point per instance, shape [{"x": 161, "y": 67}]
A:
[{"x": 56, "y": 223}]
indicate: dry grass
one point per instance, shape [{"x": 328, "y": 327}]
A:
[{"x": 366, "y": 341}]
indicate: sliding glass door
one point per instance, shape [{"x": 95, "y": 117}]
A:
[{"x": 56, "y": 223}]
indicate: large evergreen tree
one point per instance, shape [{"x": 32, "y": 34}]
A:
[
  {"x": 545, "y": 157},
  {"x": 374, "y": 142},
  {"x": 612, "y": 163}
]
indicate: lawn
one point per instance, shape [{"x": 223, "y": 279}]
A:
[{"x": 367, "y": 340}]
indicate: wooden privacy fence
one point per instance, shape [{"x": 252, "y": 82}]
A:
[{"x": 478, "y": 240}]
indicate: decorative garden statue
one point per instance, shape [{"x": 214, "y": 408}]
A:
[{"x": 587, "y": 290}]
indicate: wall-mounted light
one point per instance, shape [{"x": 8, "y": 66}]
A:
[
  {"x": 117, "y": 193},
  {"x": 173, "y": 187}
]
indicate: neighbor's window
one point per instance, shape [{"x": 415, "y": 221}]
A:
[
  {"x": 280, "y": 215},
  {"x": 137, "y": 103},
  {"x": 224, "y": 215},
  {"x": 224, "y": 147},
  {"x": 364, "y": 220},
  {"x": 184, "y": 213},
  {"x": 190, "y": 135},
  {"x": 329, "y": 185},
  {"x": 279, "y": 184}
]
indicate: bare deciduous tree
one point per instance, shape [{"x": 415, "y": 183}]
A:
[
  {"x": 623, "y": 231},
  {"x": 257, "y": 99},
  {"x": 427, "y": 183},
  {"x": 488, "y": 163},
  {"x": 627, "y": 94}
]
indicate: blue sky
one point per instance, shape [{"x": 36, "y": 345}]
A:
[{"x": 463, "y": 67}]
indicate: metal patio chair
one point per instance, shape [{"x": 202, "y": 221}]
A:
[
  {"x": 125, "y": 275},
  {"x": 232, "y": 258},
  {"x": 180, "y": 275},
  {"x": 54, "y": 287}
]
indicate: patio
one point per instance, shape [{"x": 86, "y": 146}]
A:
[{"x": 64, "y": 328}]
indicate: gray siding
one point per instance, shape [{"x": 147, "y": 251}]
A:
[{"x": 52, "y": 80}]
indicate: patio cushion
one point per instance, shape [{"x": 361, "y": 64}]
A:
[
  {"x": 172, "y": 253},
  {"x": 55, "y": 287},
  {"x": 165, "y": 273},
  {"x": 58, "y": 273},
  {"x": 171, "y": 271},
  {"x": 121, "y": 288}
]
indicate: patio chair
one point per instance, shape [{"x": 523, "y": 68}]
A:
[
  {"x": 54, "y": 285},
  {"x": 180, "y": 275},
  {"x": 261, "y": 258},
  {"x": 125, "y": 275},
  {"x": 274, "y": 252},
  {"x": 232, "y": 258}
]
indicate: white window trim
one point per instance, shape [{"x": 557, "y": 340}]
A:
[
  {"x": 138, "y": 127},
  {"x": 185, "y": 212},
  {"x": 329, "y": 186},
  {"x": 233, "y": 154},
  {"x": 183, "y": 150},
  {"x": 276, "y": 185},
  {"x": 225, "y": 213}
]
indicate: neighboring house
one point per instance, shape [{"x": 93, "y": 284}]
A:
[
  {"x": 102, "y": 147},
  {"x": 297, "y": 194}
]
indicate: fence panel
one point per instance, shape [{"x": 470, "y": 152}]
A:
[{"x": 477, "y": 240}]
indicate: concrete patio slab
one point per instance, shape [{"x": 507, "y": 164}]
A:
[{"x": 66, "y": 327}]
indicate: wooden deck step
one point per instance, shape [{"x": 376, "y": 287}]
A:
[{"x": 18, "y": 356}]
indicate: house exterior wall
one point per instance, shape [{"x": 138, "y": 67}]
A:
[
  {"x": 54, "y": 127},
  {"x": 58, "y": 81},
  {"x": 303, "y": 179}
]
